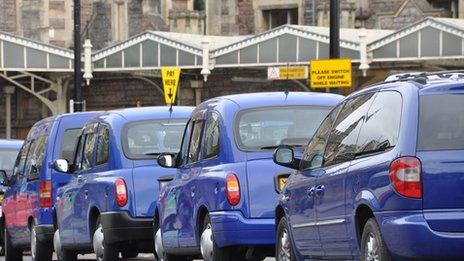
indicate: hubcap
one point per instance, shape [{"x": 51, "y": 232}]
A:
[
  {"x": 372, "y": 248},
  {"x": 284, "y": 250},
  {"x": 159, "y": 249},
  {"x": 207, "y": 243},
  {"x": 57, "y": 243},
  {"x": 33, "y": 242},
  {"x": 98, "y": 246}
]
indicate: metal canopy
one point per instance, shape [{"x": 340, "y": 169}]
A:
[
  {"x": 21, "y": 54},
  {"x": 287, "y": 44},
  {"x": 428, "y": 39},
  {"x": 149, "y": 50}
]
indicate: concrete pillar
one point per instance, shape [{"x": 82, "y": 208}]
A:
[
  {"x": 197, "y": 85},
  {"x": 8, "y": 90}
]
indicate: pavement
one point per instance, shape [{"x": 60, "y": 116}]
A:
[{"x": 92, "y": 257}]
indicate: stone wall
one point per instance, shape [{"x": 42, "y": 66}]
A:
[{"x": 8, "y": 15}]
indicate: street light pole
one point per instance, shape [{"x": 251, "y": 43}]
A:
[
  {"x": 334, "y": 29},
  {"x": 77, "y": 57}
]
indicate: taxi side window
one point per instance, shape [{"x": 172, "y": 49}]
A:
[
  {"x": 314, "y": 153},
  {"x": 36, "y": 157},
  {"x": 341, "y": 146},
  {"x": 88, "y": 151},
  {"x": 79, "y": 153},
  {"x": 103, "y": 145},
  {"x": 21, "y": 160},
  {"x": 182, "y": 158},
  {"x": 211, "y": 143},
  {"x": 195, "y": 142}
]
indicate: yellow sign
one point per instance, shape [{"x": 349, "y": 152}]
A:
[
  {"x": 287, "y": 73},
  {"x": 171, "y": 77},
  {"x": 331, "y": 73}
]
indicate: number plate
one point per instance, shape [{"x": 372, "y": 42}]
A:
[
  {"x": 282, "y": 182},
  {"x": 1, "y": 198}
]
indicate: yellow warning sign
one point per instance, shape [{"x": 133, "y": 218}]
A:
[
  {"x": 170, "y": 76},
  {"x": 335, "y": 73},
  {"x": 287, "y": 73}
]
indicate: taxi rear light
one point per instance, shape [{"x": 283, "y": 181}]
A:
[
  {"x": 405, "y": 177},
  {"x": 232, "y": 189},
  {"x": 45, "y": 194},
  {"x": 120, "y": 191}
]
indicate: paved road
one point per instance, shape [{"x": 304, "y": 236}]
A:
[{"x": 141, "y": 257}]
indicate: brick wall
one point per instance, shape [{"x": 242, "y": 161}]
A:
[{"x": 8, "y": 15}]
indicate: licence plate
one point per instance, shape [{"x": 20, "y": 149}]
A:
[
  {"x": 1, "y": 198},
  {"x": 282, "y": 182}
]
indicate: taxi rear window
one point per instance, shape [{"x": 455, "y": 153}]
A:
[{"x": 441, "y": 122}]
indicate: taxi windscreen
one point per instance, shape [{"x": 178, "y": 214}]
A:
[{"x": 267, "y": 128}]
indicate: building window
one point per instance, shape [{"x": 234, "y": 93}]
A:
[
  {"x": 277, "y": 17},
  {"x": 199, "y": 5}
]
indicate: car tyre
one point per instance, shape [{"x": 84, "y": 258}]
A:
[
  {"x": 62, "y": 253},
  {"x": 129, "y": 253},
  {"x": 11, "y": 253},
  {"x": 284, "y": 247},
  {"x": 102, "y": 250},
  {"x": 40, "y": 251},
  {"x": 160, "y": 254},
  {"x": 209, "y": 249},
  {"x": 373, "y": 246}
]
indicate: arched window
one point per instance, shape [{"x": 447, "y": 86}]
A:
[{"x": 199, "y": 5}]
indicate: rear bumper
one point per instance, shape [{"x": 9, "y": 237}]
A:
[
  {"x": 44, "y": 232},
  {"x": 121, "y": 227},
  {"x": 408, "y": 235},
  {"x": 232, "y": 228}
]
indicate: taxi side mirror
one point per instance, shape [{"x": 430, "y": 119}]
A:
[
  {"x": 3, "y": 178},
  {"x": 285, "y": 156}
]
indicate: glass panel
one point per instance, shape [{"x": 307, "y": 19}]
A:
[
  {"x": 324, "y": 51},
  {"x": 36, "y": 59},
  {"x": 114, "y": 60},
  {"x": 144, "y": 139},
  {"x": 103, "y": 145},
  {"x": 195, "y": 142},
  {"x": 186, "y": 58},
  {"x": 7, "y": 159},
  {"x": 341, "y": 145},
  {"x": 452, "y": 44},
  {"x": 441, "y": 124},
  {"x": 21, "y": 162},
  {"x": 382, "y": 125},
  {"x": 249, "y": 54},
  {"x": 89, "y": 148},
  {"x": 230, "y": 58},
  {"x": 150, "y": 53},
  {"x": 287, "y": 48},
  {"x": 14, "y": 55},
  {"x": 314, "y": 153},
  {"x": 68, "y": 144},
  {"x": 267, "y": 128},
  {"x": 132, "y": 56},
  {"x": 185, "y": 143},
  {"x": 36, "y": 157},
  {"x": 386, "y": 51},
  {"x": 430, "y": 42},
  {"x": 211, "y": 144},
  {"x": 268, "y": 51},
  {"x": 168, "y": 55},
  {"x": 408, "y": 45},
  {"x": 58, "y": 62},
  {"x": 307, "y": 50}
]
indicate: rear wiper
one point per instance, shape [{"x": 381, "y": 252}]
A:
[
  {"x": 269, "y": 147},
  {"x": 376, "y": 150}
]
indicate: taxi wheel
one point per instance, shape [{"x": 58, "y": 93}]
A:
[
  {"x": 103, "y": 251},
  {"x": 284, "y": 249},
  {"x": 373, "y": 248},
  {"x": 62, "y": 254},
  {"x": 11, "y": 253},
  {"x": 40, "y": 251},
  {"x": 209, "y": 249}
]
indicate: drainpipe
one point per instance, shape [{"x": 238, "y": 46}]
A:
[
  {"x": 364, "y": 66},
  {"x": 8, "y": 90}
]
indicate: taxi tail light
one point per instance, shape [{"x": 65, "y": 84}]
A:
[
  {"x": 45, "y": 194},
  {"x": 232, "y": 189},
  {"x": 405, "y": 177},
  {"x": 120, "y": 191}
]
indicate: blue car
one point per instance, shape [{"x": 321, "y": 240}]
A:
[
  {"x": 8, "y": 152},
  {"x": 221, "y": 203},
  {"x": 29, "y": 199},
  {"x": 109, "y": 203},
  {"x": 382, "y": 178}
]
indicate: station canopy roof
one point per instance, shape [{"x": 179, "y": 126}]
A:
[{"x": 428, "y": 39}]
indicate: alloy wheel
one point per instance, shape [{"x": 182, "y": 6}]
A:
[
  {"x": 372, "y": 248},
  {"x": 98, "y": 243},
  {"x": 284, "y": 251},
  {"x": 207, "y": 243}
]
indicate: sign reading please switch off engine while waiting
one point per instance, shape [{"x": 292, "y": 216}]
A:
[{"x": 334, "y": 73}]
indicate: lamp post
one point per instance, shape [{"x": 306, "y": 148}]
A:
[
  {"x": 334, "y": 29},
  {"x": 77, "y": 57}
]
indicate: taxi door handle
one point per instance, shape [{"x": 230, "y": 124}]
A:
[{"x": 320, "y": 189}]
